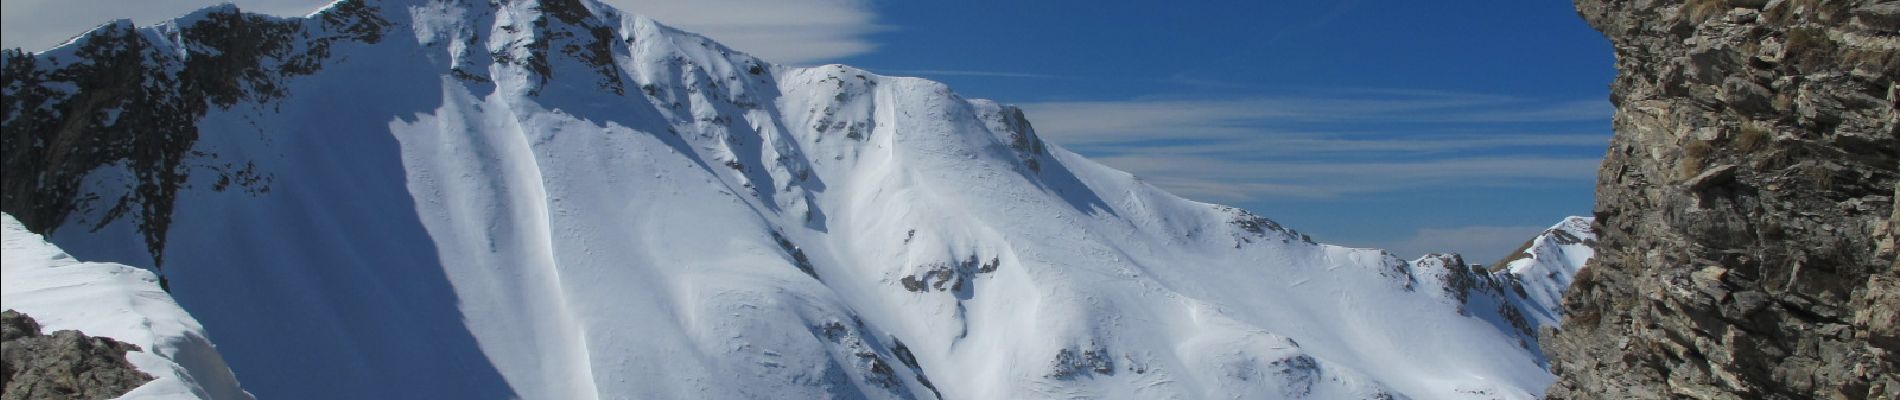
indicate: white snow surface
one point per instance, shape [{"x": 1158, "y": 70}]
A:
[
  {"x": 116, "y": 301},
  {"x": 1550, "y": 263},
  {"x": 1525, "y": 294},
  {"x": 728, "y": 228}
]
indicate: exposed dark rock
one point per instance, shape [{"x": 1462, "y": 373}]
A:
[
  {"x": 881, "y": 373},
  {"x": 798, "y": 255},
  {"x": 1504, "y": 292},
  {"x": 1253, "y": 223},
  {"x": 1072, "y": 363},
  {"x": 1022, "y": 138},
  {"x": 949, "y": 276},
  {"x": 1300, "y": 372},
  {"x": 1258, "y": 227},
  {"x": 1460, "y": 279},
  {"x": 869, "y": 356},
  {"x": 903, "y": 353},
  {"x": 63, "y": 365},
  {"x": 1746, "y": 207},
  {"x": 910, "y": 360},
  {"x": 585, "y": 38},
  {"x": 925, "y": 381},
  {"x": 124, "y": 101},
  {"x": 911, "y": 283},
  {"x": 939, "y": 277}
]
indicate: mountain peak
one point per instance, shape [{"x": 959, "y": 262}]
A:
[{"x": 561, "y": 200}]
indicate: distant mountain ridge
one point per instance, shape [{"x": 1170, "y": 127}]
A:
[{"x": 556, "y": 199}]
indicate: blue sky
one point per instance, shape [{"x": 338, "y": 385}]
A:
[{"x": 1413, "y": 126}]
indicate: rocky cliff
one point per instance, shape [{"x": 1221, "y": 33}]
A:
[{"x": 1746, "y": 206}]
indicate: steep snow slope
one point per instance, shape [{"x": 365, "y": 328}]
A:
[
  {"x": 1549, "y": 262},
  {"x": 555, "y": 199},
  {"x": 1524, "y": 292},
  {"x": 116, "y": 301}
]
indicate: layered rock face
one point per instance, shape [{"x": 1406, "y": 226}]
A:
[{"x": 1746, "y": 206}]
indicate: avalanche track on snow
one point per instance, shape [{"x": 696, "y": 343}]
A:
[{"x": 558, "y": 200}]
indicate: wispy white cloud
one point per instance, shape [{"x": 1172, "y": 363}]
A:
[
  {"x": 1305, "y": 143},
  {"x": 1576, "y": 110},
  {"x": 1084, "y": 121},
  {"x": 1219, "y": 190},
  {"x": 1478, "y": 244},
  {"x": 1344, "y": 142},
  {"x": 1231, "y": 180},
  {"x": 784, "y": 31},
  {"x": 798, "y": 32},
  {"x": 1191, "y": 80},
  {"x": 955, "y": 72}
]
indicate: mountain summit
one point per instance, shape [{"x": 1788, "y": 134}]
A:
[{"x": 559, "y": 200}]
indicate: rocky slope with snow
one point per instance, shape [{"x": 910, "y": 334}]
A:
[
  {"x": 36, "y": 365},
  {"x": 556, "y": 199},
  {"x": 1546, "y": 265},
  {"x": 97, "y": 318},
  {"x": 1747, "y": 206}
]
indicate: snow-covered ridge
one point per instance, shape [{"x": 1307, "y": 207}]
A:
[
  {"x": 1524, "y": 293},
  {"x": 555, "y": 199},
  {"x": 1550, "y": 262},
  {"x": 116, "y": 301}
]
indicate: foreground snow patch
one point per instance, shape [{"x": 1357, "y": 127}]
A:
[{"x": 116, "y": 301}]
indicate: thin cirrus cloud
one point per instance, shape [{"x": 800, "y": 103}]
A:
[
  {"x": 958, "y": 72},
  {"x": 1226, "y": 179},
  {"x": 37, "y": 25},
  {"x": 1478, "y": 244},
  {"x": 797, "y": 32},
  {"x": 1332, "y": 144}
]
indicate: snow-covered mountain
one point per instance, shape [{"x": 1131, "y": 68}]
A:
[
  {"x": 1522, "y": 293},
  {"x": 1547, "y": 265},
  {"x": 558, "y": 200}
]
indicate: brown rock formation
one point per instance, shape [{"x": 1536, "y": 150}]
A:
[
  {"x": 62, "y": 365},
  {"x": 1746, "y": 206}
]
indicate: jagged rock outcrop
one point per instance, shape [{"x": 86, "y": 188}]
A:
[
  {"x": 120, "y": 96},
  {"x": 1746, "y": 206},
  {"x": 63, "y": 365}
]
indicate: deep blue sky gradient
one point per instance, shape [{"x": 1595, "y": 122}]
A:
[{"x": 1526, "y": 59}]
